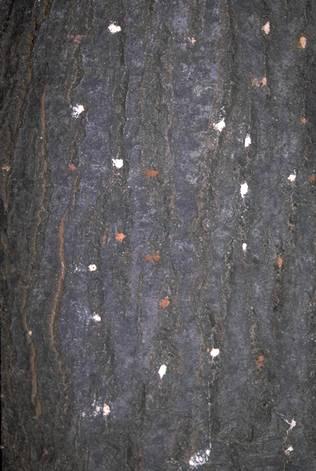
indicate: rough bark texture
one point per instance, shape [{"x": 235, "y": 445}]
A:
[{"x": 82, "y": 345}]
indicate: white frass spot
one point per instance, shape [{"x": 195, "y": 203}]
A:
[
  {"x": 77, "y": 110},
  {"x": 162, "y": 371},
  {"x": 291, "y": 423},
  {"x": 113, "y": 28},
  {"x": 289, "y": 450},
  {"x": 243, "y": 189},
  {"x": 118, "y": 163},
  {"x": 199, "y": 458},
  {"x": 244, "y": 247},
  {"x": 96, "y": 317},
  {"x": 79, "y": 268},
  {"x": 292, "y": 177},
  {"x": 247, "y": 140},
  {"x": 97, "y": 409},
  {"x": 214, "y": 352},
  {"x": 30, "y": 333},
  {"x": 92, "y": 267},
  {"x": 266, "y": 27},
  {"x": 106, "y": 409},
  {"x": 220, "y": 125}
]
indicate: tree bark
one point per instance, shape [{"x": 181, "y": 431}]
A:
[{"x": 158, "y": 200}]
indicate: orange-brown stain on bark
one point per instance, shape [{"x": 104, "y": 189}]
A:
[
  {"x": 164, "y": 302},
  {"x": 152, "y": 258},
  {"x": 312, "y": 179},
  {"x": 120, "y": 236},
  {"x": 151, "y": 173}
]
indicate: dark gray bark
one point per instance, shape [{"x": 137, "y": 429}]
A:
[{"x": 83, "y": 346}]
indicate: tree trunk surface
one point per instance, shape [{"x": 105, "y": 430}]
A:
[{"x": 158, "y": 214}]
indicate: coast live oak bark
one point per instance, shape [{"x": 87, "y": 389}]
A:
[{"x": 158, "y": 216}]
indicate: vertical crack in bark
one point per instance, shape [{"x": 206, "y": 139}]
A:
[
  {"x": 34, "y": 394},
  {"x": 59, "y": 289},
  {"x": 32, "y": 356},
  {"x": 60, "y": 283},
  {"x": 35, "y": 399}
]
